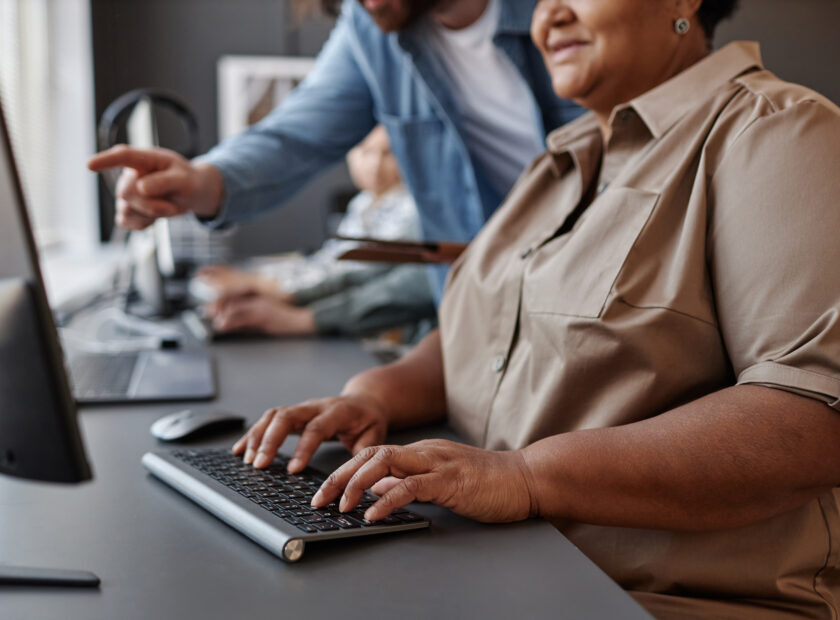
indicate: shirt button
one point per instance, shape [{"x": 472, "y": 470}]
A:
[
  {"x": 499, "y": 364},
  {"x": 603, "y": 187}
]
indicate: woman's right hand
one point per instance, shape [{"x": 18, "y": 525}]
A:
[{"x": 358, "y": 422}]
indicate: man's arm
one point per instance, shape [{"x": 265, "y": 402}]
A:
[
  {"x": 259, "y": 169},
  {"x": 314, "y": 127}
]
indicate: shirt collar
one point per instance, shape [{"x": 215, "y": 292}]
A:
[{"x": 663, "y": 106}]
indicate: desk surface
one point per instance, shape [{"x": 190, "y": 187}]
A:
[{"x": 161, "y": 556}]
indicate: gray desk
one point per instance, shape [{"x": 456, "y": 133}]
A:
[{"x": 161, "y": 556}]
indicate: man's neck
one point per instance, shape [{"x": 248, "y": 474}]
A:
[{"x": 458, "y": 14}]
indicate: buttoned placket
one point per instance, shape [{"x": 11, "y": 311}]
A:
[{"x": 514, "y": 277}]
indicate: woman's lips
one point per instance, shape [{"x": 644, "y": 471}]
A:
[{"x": 564, "y": 50}]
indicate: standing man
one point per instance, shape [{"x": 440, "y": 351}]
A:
[{"x": 458, "y": 84}]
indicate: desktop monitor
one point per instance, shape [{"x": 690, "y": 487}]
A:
[
  {"x": 39, "y": 437},
  {"x": 39, "y": 433}
]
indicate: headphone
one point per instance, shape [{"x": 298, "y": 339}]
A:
[{"x": 116, "y": 114}]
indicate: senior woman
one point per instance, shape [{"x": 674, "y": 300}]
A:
[{"x": 644, "y": 342}]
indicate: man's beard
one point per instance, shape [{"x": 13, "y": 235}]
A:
[{"x": 407, "y": 12}]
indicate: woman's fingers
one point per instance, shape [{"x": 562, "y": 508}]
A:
[
  {"x": 384, "y": 485},
  {"x": 284, "y": 422},
  {"x": 372, "y": 436},
  {"x": 364, "y": 470},
  {"x": 317, "y": 431},
  {"x": 422, "y": 488}
]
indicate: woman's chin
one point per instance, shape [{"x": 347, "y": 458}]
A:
[{"x": 573, "y": 88}]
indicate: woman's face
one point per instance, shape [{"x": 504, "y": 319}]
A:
[{"x": 601, "y": 53}]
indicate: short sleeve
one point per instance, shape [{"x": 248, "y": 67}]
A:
[{"x": 773, "y": 251}]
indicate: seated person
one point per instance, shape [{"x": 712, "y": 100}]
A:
[
  {"x": 644, "y": 341},
  {"x": 319, "y": 294}
]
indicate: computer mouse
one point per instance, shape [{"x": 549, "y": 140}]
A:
[
  {"x": 202, "y": 291},
  {"x": 192, "y": 423}
]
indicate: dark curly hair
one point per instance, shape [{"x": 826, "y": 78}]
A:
[{"x": 712, "y": 12}]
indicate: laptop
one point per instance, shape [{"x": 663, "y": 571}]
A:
[{"x": 138, "y": 376}]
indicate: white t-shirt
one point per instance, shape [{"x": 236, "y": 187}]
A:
[{"x": 493, "y": 98}]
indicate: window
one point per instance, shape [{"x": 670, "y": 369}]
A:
[{"x": 46, "y": 86}]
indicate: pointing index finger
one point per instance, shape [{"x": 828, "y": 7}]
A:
[{"x": 141, "y": 160}]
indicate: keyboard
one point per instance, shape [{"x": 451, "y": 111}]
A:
[
  {"x": 270, "y": 506},
  {"x": 102, "y": 375}
]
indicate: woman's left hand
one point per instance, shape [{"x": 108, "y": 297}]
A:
[{"x": 487, "y": 486}]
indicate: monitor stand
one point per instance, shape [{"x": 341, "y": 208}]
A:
[{"x": 20, "y": 576}]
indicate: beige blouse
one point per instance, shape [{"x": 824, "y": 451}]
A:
[{"x": 696, "y": 251}]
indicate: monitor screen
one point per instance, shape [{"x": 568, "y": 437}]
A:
[{"x": 39, "y": 434}]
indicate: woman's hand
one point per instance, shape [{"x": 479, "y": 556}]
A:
[
  {"x": 357, "y": 421},
  {"x": 492, "y": 487}
]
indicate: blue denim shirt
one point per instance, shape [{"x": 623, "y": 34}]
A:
[{"x": 363, "y": 77}]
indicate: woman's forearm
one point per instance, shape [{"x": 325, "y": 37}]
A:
[
  {"x": 731, "y": 458},
  {"x": 411, "y": 389}
]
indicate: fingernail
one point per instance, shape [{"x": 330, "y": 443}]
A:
[
  {"x": 295, "y": 465},
  {"x": 249, "y": 455},
  {"x": 368, "y": 515},
  {"x": 342, "y": 506},
  {"x": 317, "y": 499},
  {"x": 261, "y": 460}
]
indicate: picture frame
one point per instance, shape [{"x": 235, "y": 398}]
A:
[{"x": 249, "y": 87}]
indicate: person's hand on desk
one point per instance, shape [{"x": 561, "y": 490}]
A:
[
  {"x": 158, "y": 183},
  {"x": 231, "y": 282},
  {"x": 261, "y": 313},
  {"x": 480, "y": 484}
]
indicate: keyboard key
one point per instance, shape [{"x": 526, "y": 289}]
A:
[{"x": 344, "y": 523}]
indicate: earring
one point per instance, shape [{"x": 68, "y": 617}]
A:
[{"x": 682, "y": 26}]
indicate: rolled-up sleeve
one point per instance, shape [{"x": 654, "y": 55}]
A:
[{"x": 773, "y": 251}]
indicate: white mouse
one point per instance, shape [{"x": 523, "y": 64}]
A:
[{"x": 191, "y": 423}]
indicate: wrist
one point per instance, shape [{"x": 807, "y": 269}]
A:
[
  {"x": 528, "y": 480},
  {"x": 211, "y": 190},
  {"x": 369, "y": 385},
  {"x": 301, "y": 321}
]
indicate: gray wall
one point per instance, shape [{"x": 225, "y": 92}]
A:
[{"x": 799, "y": 39}]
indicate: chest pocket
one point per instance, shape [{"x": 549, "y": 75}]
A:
[
  {"x": 418, "y": 144},
  {"x": 574, "y": 273}
]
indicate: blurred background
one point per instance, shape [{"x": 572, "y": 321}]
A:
[{"x": 63, "y": 61}]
